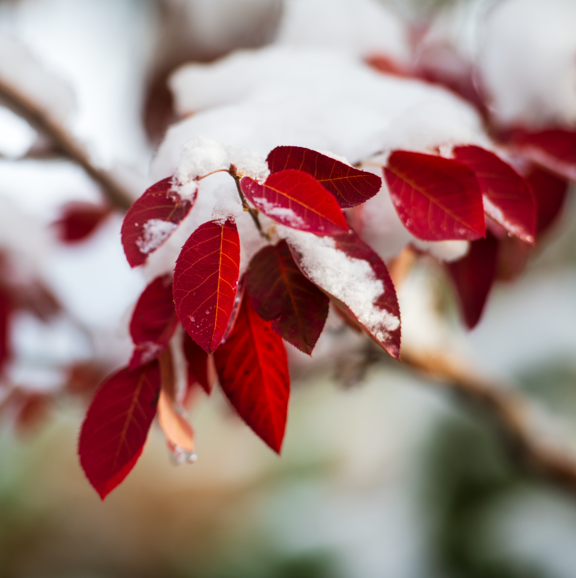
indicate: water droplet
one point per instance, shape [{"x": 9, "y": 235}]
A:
[
  {"x": 192, "y": 319},
  {"x": 179, "y": 456},
  {"x": 207, "y": 311}
]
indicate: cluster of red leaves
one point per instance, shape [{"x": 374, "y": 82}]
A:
[{"x": 235, "y": 327}]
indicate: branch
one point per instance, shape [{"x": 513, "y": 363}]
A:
[
  {"x": 509, "y": 411},
  {"x": 114, "y": 191}
]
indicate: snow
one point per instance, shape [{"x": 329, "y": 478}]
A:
[
  {"x": 228, "y": 205},
  {"x": 528, "y": 61},
  {"x": 16, "y": 135},
  {"x": 22, "y": 73},
  {"x": 350, "y": 280},
  {"x": 284, "y": 214},
  {"x": 156, "y": 231}
]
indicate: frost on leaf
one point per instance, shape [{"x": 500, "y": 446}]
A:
[
  {"x": 350, "y": 186},
  {"x": 153, "y": 322},
  {"x": 281, "y": 294},
  {"x": 437, "y": 199},
  {"x": 297, "y": 200},
  {"x": 252, "y": 368},
  {"x": 206, "y": 281},
  {"x": 356, "y": 278},
  {"x": 473, "y": 277},
  {"x": 152, "y": 219},
  {"x": 507, "y": 198},
  {"x": 116, "y": 425}
]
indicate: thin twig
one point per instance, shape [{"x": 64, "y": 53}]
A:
[
  {"x": 508, "y": 410},
  {"x": 114, "y": 191},
  {"x": 245, "y": 205}
]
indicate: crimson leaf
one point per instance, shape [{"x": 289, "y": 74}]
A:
[
  {"x": 554, "y": 149},
  {"x": 206, "y": 280},
  {"x": 349, "y": 270},
  {"x": 350, "y": 186},
  {"x": 153, "y": 322},
  {"x": 78, "y": 220},
  {"x": 252, "y": 368},
  {"x": 297, "y": 200},
  {"x": 281, "y": 294},
  {"x": 198, "y": 363},
  {"x": 116, "y": 425},
  {"x": 152, "y": 219},
  {"x": 436, "y": 198},
  {"x": 507, "y": 197},
  {"x": 473, "y": 277}
]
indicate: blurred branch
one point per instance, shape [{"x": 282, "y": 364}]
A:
[
  {"x": 509, "y": 412},
  {"x": 114, "y": 191}
]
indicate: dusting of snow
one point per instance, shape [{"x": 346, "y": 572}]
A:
[
  {"x": 228, "y": 205},
  {"x": 155, "y": 232},
  {"x": 284, "y": 214},
  {"x": 149, "y": 350},
  {"x": 351, "y": 280},
  {"x": 201, "y": 156}
]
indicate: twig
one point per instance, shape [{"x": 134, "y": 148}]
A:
[
  {"x": 116, "y": 194},
  {"x": 245, "y": 205},
  {"x": 508, "y": 410}
]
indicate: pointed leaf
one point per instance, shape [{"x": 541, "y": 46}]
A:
[
  {"x": 356, "y": 278},
  {"x": 78, "y": 220},
  {"x": 349, "y": 185},
  {"x": 152, "y": 219},
  {"x": 281, "y": 294},
  {"x": 252, "y": 368},
  {"x": 116, "y": 425},
  {"x": 473, "y": 277},
  {"x": 554, "y": 149},
  {"x": 199, "y": 365},
  {"x": 153, "y": 322},
  {"x": 436, "y": 198},
  {"x": 206, "y": 280},
  {"x": 550, "y": 194},
  {"x": 297, "y": 200},
  {"x": 507, "y": 197}
]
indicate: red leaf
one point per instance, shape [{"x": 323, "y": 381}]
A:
[
  {"x": 153, "y": 321},
  {"x": 436, "y": 198},
  {"x": 357, "y": 279},
  {"x": 554, "y": 149},
  {"x": 281, "y": 294},
  {"x": 206, "y": 280},
  {"x": 550, "y": 194},
  {"x": 152, "y": 219},
  {"x": 78, "y": 220},
  {"x": 473, "y": 277},
  {"x": 507, "y": 197},
  {"x": 350, "y": 186},
  {"x": 116, "y": 425},
  {"x": 253, "y": 371},
  {"x": 297, "y": 200},
  {"x": 200, "y": 368}
]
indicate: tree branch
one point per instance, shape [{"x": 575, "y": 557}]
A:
[
  {"x": 114, "y": 191},
  {"x": 509, "y": 412}
]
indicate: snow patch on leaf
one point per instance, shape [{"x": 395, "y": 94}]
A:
[
  {"x": 155, "y": 232},
  {"x": 332, "y": 270}
]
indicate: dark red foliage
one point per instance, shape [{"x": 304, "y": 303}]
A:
[
  {"x": 199, "y": 366},
  {"x": 554, "y": 149},
  {"x": 206, "y": 281},
  {"x": 436, "y": 198},
  {"x": 252, "y": 369},
  {"x": 550, "y": 194},
  {"x": 350, "y": 186},
  {"x": 151, "y": 220},
  {"x": 281, "y": 294},
  {"x": 507, "y": 197},
  {"x": 473, "y": 277},
  {"x": 116, "y": 425},
  {"x": 296, "y": 199},
  {"x": 350, "y": 244},
  {"x": 79, "y": 220},
  {"x": 153, "y": 322},
  {"x": 5, "y": 314}
]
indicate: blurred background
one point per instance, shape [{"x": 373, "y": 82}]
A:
[{"x": 382, "y": 473}]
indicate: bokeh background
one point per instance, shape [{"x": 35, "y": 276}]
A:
[{"x": 386, "y": 475}]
